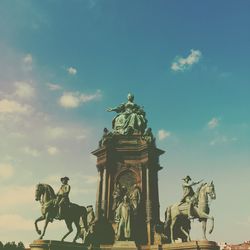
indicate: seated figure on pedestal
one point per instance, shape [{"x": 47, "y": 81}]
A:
[{"x": 131, "y": 118}]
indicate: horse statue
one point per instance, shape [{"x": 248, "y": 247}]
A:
[
  {"x": 72, "y": 213},
  {"x": 179, "y": 212}
]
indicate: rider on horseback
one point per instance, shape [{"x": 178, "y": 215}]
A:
[
  {"x": 62, "y": 199},
  {"x": 188, "y": 194}
]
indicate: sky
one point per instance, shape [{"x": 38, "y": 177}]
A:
[{"x": 63, "y": 63}]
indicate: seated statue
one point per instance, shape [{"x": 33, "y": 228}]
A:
[{"x": 131, "y": 118}]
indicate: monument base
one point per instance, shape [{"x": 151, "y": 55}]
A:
[
  {"x": 192, "y": 245},
  {"x": 55, "y": 245},
  {"x": 123, "y": 245}
]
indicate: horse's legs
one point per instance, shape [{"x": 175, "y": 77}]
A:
[
  {"x": 69, "y": 226},
  {"x": 186, "y": 233},
  {"x": 78, "y": 231},
  {"x": 204, "y": 227},
  {"x": 172, "y": 229},
  {"x": 204, "y": 215},
  {"x": 45, "y": 225},
  {"x": 36, "y": 221}
]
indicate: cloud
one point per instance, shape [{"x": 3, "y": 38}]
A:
[
  {"x": 56, "y": 132},
  {"x": 27, "y": 61},
  {"x": 10, "y": 106},
  {"x": 52, "y": 150},
  {"x": 54, "y": 87},
  {"x": 13, "y": 222},
  {"x": 24, "y": 90},
  {"x": 222, "y": 139},
  {"x": 72, "y": 71},
  {"x": 90, "y": 179},
  {"x": 6, "y": 171},
  {"x": 75, "y": 99},
  {"x": 162, "y": 134},
  {"x": 213, "y": 123},
  {"x": 182, "y": 64},
  {"x": 31, "y": 151}
]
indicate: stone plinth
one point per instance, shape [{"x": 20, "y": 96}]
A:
[
  {"x": 191, "y": 245},
  {"x": 55, "y": 245},
  {"x": 124, "y": 245}
]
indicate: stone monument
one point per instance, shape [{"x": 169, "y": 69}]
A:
[{"x": 128, "y": 165}]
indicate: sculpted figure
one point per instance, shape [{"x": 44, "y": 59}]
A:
[
  {"x": 62, "y": 199},
  {"x": 117, "y": 196},
  {"x": 188, "y": 194},
  {"x": 106, "y": 137},
  {"x": 124, "y": 220},
  {"x": 131, "y": 117},
  {"x": 148, "y": 136},
  {"x": 135, "y": 198}
]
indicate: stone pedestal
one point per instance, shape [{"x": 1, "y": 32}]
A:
[
  {"x": 55, "y": 245},
  {"x": 191, "y": 245},
  {"x": 124, "y": 245}
]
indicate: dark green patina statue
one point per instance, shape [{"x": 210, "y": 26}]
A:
[
  {"x": 130, "y": 118},
  {"x": 59, "y": 207},
  {"x": 193, "y": 205}
]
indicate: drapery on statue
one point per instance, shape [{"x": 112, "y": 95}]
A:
[
  {"x": 117, "y": 196},
  {"x": 72, "y": 213},
  {"x": 135, "y": 198},
  {"x": 123, "y": 215},
  {"x": 200, "y": 210},
  {"x": 131, "y": 118}
]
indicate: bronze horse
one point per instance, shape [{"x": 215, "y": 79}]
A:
[{"x": 72, "y": 214}]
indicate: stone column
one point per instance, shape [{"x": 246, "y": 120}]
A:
[
  {"x": 104, "y": 190},
  {"x": 98, "y": 194},
  {"x": 148, "y": 206}
]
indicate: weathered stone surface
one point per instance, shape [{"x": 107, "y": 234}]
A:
[
  {"x": 123, "y": 245},
  {"x": 55, "y": 245}
]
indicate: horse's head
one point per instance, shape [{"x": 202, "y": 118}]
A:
[
  {"x": 211, "y": 190},
  {"x": 39, "y": 191}
]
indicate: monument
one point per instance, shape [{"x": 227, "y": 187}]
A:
[{"x": 127, "y": 209}]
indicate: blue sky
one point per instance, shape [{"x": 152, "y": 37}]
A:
[{"x": 62, "y": 63}]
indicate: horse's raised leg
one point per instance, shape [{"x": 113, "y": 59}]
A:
[
  {"x": 204, "y": 215},
  {"x": 69, "y": 226},
  {"x": 45, "y": 225},
  {"x": 187, "y": 234},
  {"x": 36, "y": 221}
]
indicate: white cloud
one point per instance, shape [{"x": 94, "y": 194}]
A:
[
  {"x": 10, "y": 106},
  {"x": 13, "y": 222},
  {"x": 56, "y": 132},
  {"x": 27, "y": 62},
  {"x": 213, "y": 123},
  {"x": 31, "y": 151},
  {"x": 182, "y": 64},
  {"x": 72, "y": 71},
  {"x": 90, "y": 179},
  {"x": 52, "y": 150},
  {"x": 6, "y": 171},
  {"x": 75, "y": 99},
  {"x": 54, "y": 87},
  {"x": 222, "y": 139},
  {"x": 24, "y": 90},
  {"x": 162, "y": 134}
]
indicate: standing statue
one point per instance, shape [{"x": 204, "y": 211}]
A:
[
  {"x": 117, "y": 197},
  {"x": 131, "y": 118},
  {"x": 106, "y": 137},
  {"x": 124, "y": 220},
  {"x": 149, "y": 137},
  {"x": 62, "y": 200},
  {"x": 135, "y": 198},
  {"x": 72, "y": 213},
  {"x": 188, "y": 194},
  {"x": 201, "y": 210}
]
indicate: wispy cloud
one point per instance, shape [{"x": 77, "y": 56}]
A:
[
  {"x": 31, "y": 151},
  {"x": 222, "y": 139},
  {"x": 27, "y": 62},
  {"x": 10, "y": 106},
  {"x": 52, "y": 150},
  {"x": 75, "y": 99},
  {"x": 163, "y": 134},
  {"x": 54, "y": 87},
  {"x": 72, "y": 71},
  {"x": 181, "y": 64},
  {"x": 56, "y": 132},
  {"x": 213, "y": 123},
  {"x": 24, "y": 90},
  {"x": 6, "y": 171}
]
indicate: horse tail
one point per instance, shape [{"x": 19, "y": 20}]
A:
[{"x": 167, "y": 217}]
